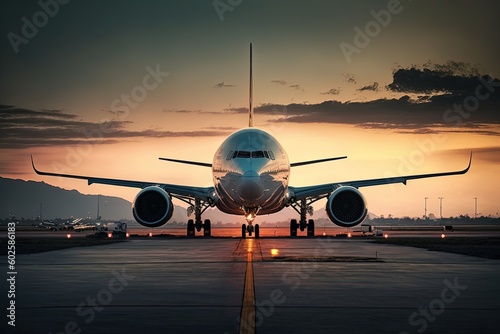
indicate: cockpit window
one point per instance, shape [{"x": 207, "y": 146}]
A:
[
  {"x": 250, "y": 154},
  {"x": 243, "y": 154},
  {"x": 257, "y": 154}
]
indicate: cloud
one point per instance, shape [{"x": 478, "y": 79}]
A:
[
  {"x": 223, "y": 85},
  {"x": 221, "y": 128},
  {"x": 24, "y": 128},
  {"x": 373, "y": 87},
  {"x": 182, "y": 111},
  {"x": 333, "y": 91},
  {"x": 484, "y": 130},
  {"x": 296, "y": 87},
  {"x": 403, "y": 115},
  {"x": 452, "y": 77},
  {"x": 283, "y": 83},
  {"x": 279, "y": 82},
  {"x": 229, "y": 110},
  {"x": 236, "y": 110},
  {"x": 456, "y": 108},
  {"x": 118, "y": 113},
  {"x": 349, "y": 78},
  {"x": 7, "y": 112}
]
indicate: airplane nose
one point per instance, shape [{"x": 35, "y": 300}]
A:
[
  {"x": 250, "y": 173},
  {"x": 250, "y": 188}
]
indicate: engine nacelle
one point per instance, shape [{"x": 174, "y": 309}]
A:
[
  {"x": 346, "y": 207},
  {"x": 152, "y": 207}
]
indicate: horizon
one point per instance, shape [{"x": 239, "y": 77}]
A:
[
  {"x": 217, "y": 216},
  {"x": 171, "y": 80}
]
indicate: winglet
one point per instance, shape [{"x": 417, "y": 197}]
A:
[
  {"x": 250, "y": 95},
  {"x": 33, "y": 165},
  {"x": 470, "y": 162},
  {"x": 468, "y": 166}
]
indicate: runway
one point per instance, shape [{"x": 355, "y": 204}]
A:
[
  {"x": 269, "y": 231},
  {"x": 319, "y": 285}
]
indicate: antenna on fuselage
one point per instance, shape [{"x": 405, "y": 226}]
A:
[{"x": 250, "y": 97}]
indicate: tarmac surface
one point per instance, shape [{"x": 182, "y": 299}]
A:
[
  {"x": 302, "y": 285},
  {"x": 270, "y": 231}
]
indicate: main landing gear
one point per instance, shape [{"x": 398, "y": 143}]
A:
[
  {"x": 192, "y": 226},
  {"x": 197, "y": 224},
  {"x": 250, "y": 229},
  {"x": 303, "y": 224},
  {"x": 309, "y": 226}
]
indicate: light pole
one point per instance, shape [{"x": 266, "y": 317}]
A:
[
  {"x": 475, "y": 207},
  {"x": 441, "y": 207},
  {"x": 425, "y": 208}
]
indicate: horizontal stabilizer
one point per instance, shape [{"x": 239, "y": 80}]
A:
[
  {"x": 202, "y": 164},
  {"x": 310, "y": 162}
]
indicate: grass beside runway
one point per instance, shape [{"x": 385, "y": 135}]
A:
[
  {"x": 39, "y": 245},
  {"x": 488, "y": 247}
]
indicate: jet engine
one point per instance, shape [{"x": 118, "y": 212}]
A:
[
  {"x": 152, "y": 207},
  {"x": 346, "y": 207}
]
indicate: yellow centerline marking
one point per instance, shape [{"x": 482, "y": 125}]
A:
[{"x": 247, "y": 318}]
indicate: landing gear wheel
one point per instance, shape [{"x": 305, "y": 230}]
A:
[
  {"x": 293, "y": 228},
  {"x": 250, "y": 230},
  {"x": 302, "y": 225},
  {"x": 310, "y": 228},
  {"x": 207, "y": 229},
  {"x": 190, "y": 228},
  {"x": 198, "y": 225},
  {"x": 243, "y": 231},
  {"x": 257, "y": 231}
]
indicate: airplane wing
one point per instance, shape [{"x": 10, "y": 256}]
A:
[
  {"x": 195, "y": 163},
  {"x": 310, "y": 162},
  {"x": 178, "y": 191},
  {"x": 323, "y": 190}
]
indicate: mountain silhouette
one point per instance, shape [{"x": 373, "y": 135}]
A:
[{"x": 23, "y": 198}]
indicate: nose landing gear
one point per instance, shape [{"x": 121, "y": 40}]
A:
[{"x": 255, "y": 229}]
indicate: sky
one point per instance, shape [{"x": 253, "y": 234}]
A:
[{"x": 104, "y": 88}]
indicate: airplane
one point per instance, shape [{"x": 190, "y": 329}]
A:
[
  {"x": 55, "y": 226},
  {"x": 250, "y": 173}
]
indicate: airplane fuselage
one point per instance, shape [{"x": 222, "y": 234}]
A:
[{"x": 251, "y": 171}]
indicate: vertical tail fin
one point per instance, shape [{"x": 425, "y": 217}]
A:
[{"x": 250, "y": 97}]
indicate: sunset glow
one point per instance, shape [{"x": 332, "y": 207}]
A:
[{"x": 105, "y": 90}]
